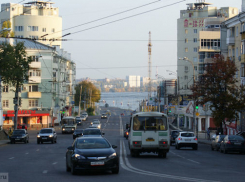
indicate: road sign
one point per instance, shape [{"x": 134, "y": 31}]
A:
[{"x": 197, "y": 113}]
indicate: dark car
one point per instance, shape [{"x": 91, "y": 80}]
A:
[
  {"x": 77, "y": 133},
  {"x": 92, "y": 132},
  {"x": 78, "y": 120},
  {"x": 173, "y": 135},
  {"x": 215, "y": 145},
  {"x": 103, "y": 116},
  {"x": 92, "y": 153},
  {"x": 232, "y": 143},
  {"x": 20, "y": 135},
  {"x": 47, "y": 135}
]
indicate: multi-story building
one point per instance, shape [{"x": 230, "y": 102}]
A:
[
  {"x": 233, "y": 46},
  {"x": 198, "y": 40},
  {"x": 33, "y": 20},
  {"x": 49, "y": 89},
  {"x": 133, "y": 81}
]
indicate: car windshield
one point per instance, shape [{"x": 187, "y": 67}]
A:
[
  {"x": 236, "y": 137},
  {"x": 94, "y": 143},
  {"x": 187, "y": 134},
  {"x": 18, "y": 132},
  {"x": 91, "y": 132},
  {"x": 46, "y": 131},
  {"x": 67, "y": 122},
  {"x": 150, "y": 123},
  {"x": 96, "y": 122}
]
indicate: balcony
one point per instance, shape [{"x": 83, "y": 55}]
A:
[
  {"x": 230, "y": 40},
  {"x": 34, "y": 95},
  {"x": 209, "y": 49},
  {"x": 34, "y": 79},
  {"x": 243, "y": 58},
  {"x": 35, "y": 65}
]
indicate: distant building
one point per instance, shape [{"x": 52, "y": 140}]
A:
[
  {"x": 133, "y": 81},
  {"x": 144, "y": 81}
]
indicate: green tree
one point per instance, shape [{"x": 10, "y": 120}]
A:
[
  {"x": 220, "y": 88},
  {"x": 89, "y": 93},
  {"x": 14, "y": 66},
  {"x": 6, "y": 24}
]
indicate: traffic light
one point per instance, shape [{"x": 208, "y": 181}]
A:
[
  {"x": 196, "y": 106},
  {"x": 20, "y": 101}
]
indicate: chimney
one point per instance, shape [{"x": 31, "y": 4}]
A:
[{"x": 243, "y": 5}]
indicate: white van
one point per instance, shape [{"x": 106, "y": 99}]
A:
[{"x": 148, "y": 132}]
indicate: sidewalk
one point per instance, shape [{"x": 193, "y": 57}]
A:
[
  {"x": 4, "y": 142},
  {"x": 201, "y": 136}
]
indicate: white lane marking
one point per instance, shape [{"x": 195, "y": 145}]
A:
[
  {"x": 55, "y": 163},
  {"x": 45, "y": 171},
  {"x": 129, "y": 167},
  {"x": 11, "y": 158},
  {"x": 27, "y": 153},
  {"x": 185, "y": 158},
  {"x": 121, "y": 126},
  {"x": 37, "y": 150}
]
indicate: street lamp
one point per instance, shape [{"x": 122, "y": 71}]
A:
[
  {"x": 1, "y": 109},
  {"x": 194, "y": 101}
]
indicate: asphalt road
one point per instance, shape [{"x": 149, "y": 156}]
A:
[{"x": 46, "y": 162}]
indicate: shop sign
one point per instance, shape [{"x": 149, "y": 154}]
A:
[{"x": 22, "y": 112}]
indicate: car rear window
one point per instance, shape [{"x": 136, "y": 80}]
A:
[{"x": 187, "y": 134}]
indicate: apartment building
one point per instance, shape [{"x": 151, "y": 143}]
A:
[
  {"x": 198, "y": 40},
  {"x": 49, "y": 90},
  {"x": 33, "y": 20},
  {"x": 133, "y": 80}
]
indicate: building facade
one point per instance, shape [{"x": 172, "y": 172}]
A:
[
  {"x": 133, "y": 81},
  {"x": 49, "y": 89},
  {"x": 33, "y": 20}
]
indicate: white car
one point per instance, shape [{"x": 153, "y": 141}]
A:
[
  {"x": 96, "y": 123},
  {"x": 84, "y": 118},
  {"x": 186, "y": 139}
]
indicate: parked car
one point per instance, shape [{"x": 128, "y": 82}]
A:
[
  {"x": 92, "y": 153},
  {"x": 103, "y": 116},
  {"x": 173, "y": 135},
  {"x": 46, "y": 135},
  {"x": 186, "y": 139},
  {"x": 19, "y": 135},
  {"x": 22, "y": 126},
  {"x": 92, "y": 131},
  {"x": 77, "y": 133},
  {"x": 232, "y": 143},
  {"x": 215, "y": 144},
  {"x": 78, "y": 120}
]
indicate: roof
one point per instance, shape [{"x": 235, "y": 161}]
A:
[
  {"x": 43, "y": 2},
  {"x": 200, "y": 3},
  {"x": 149, "y": 114},
  {"x": 69, "y": 117}
]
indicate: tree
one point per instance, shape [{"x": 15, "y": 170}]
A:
[
  {"x": 219, "y": 87},
  {"x": 89, "y": 93},
  {"x": 6, "y": 24},
  {"x": 14, "y": 66}
]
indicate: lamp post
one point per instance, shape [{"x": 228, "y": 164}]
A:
[
  {"x": 195, "y": 124},
  {"x": 1, "y": 108}
]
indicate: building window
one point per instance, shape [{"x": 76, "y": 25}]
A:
[
  {"x": 53, "y": 30},
  {"x": 19, "y": 28},
  {"x": 33, "y": 103},
  {"x": 32, "y": 28},
  {"x": 33, "y": 37},
  {"x": 242, "y": 70},
  {"x": 186, "y": 68},
  {"x": 186, "y": 77},
  {"x": 195, "y": 30},
  {"x": 195, "y": 49},
  {"x": 20, "y": 36},
  {"x": 35, "y": 58},
  {"x": 195, "y": 40},
  {"x": 35, "y": 72},
  {"x": 195, "y": 68},
  {"x": 186, "y": 49},
  {"x": 5, "y": 88},
  {"x": 186, "y": 31},
  {"x": 186, "y": 40},
  {"x": 195, "y": 59},
  {"x": 44, "y": 29},
  {"x": 5, "y": 104}
]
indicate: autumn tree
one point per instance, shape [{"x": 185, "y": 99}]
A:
[
  {"x": 219, "y": 87},
  {"x": 14, "y": 67},
  {"x": 6, "y": 24}
]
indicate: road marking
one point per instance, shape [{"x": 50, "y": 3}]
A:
[
  {"x": 193, "y": 161},
  {"x": 45, "y": 171},
  {"x": 11, "y": 158},
  {"x": 54, "y": 163},
  {"x": 127, "y": 166},
  {"x": 184, "y": 158},
  {"x": 27, "y": 153},
  {"x": 37, "y": 150}
]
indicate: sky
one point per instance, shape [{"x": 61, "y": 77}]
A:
[{"x": 119, "y": 49}]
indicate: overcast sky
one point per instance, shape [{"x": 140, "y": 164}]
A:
[{"x": 120, "y": 48}]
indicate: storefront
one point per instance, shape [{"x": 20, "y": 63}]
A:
[{"x": 33, "y": 119}]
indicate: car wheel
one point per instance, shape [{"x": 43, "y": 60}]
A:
[
  {"x": 68, "y": 169},
  {"x": 38, "y": 142},
  {"x": 41, "y": 142},
  {"x": 55, "y": 140},
  {"x": 116, "y": 170},
  {"x": 73, "y": 170},
  {"x": 212, "y": 147},
  {"x": 225, "y": 151},
  {"x": 52, "y": 141},
  {"x": 177, "y": 147},
  {"x": 25, "y": 141},
  {"x": 28, "y": 140},
  {"x": 195, "y": 147},
  {"x": 221, "y": 151}
]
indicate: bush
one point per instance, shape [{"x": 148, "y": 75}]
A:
[{"x": 90, "y": 111}]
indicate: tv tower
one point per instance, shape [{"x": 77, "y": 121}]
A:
[{"x": 149, "y": 67}]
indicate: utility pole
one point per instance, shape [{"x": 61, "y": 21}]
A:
[
  {"x": 79, "y": 107},
  {"x": 149, "y": 69},
  {"x": 1, "y": 109}
]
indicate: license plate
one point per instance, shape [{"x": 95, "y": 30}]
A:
[
  {"x": 150, "y": 140},
  {"x": 187, "y": 140},
  {"x": 237, "y": 143},
  {"x": 44, "y": 138},
  {"x": 97, "y": 163}
]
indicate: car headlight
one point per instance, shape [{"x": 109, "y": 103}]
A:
[
  {"x": 72, "y": 128},
  {"x": 50, "y": 136},
  {"x": 113, "y": 155},
  {"x": 38, "y": 136},
  {"x": 63, "y": 129},
  {"x": 77, "y": 156},
  {"x": 98, "y": 126}
]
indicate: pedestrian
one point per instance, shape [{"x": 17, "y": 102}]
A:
[
  {"x": 208, "y": 133},
  {"x": 10, "y": 133}
]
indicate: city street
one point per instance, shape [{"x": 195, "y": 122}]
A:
[{"x": 46, "y": 162}]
